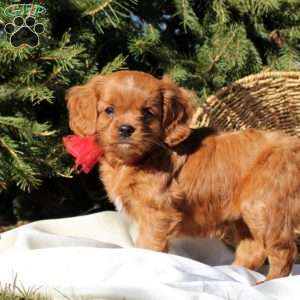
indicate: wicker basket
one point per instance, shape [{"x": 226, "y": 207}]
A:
[{"x": 268, "y": 100}]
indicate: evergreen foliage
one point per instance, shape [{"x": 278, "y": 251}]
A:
[{"x": 203, "y": 45}]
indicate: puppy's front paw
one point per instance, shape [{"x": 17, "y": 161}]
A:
[
  {"x": 260, "y": 282},
  {"x": 151, "y": 244}
]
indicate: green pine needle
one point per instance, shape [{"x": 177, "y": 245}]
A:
[{"x": 118, "y": 63}]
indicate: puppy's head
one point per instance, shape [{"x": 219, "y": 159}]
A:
[{"x": 131, "y": 112}]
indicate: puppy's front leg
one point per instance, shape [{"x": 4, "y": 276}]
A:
[{"x": 156, "y": 227}]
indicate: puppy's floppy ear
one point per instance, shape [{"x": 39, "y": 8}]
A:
[
  {"x": 82, "y": 106},
  {"x": 178, "y": 110}
]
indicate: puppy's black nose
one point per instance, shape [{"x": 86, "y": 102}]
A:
[{"x": 126, "y": 130}]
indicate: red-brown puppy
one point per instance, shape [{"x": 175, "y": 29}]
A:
[{"x": 175, "y": 181}]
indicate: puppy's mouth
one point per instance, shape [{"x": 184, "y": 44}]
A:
[
  {"x": 124, "y": 145},
  {"x": 128, "y": 151},
  {"x": 124, "y": 142}
]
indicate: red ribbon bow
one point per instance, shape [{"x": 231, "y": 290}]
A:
[{"x": 84, "y": 149}]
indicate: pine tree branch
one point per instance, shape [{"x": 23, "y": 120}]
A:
[
  {"x": 98, "y": 9},
  {"x": 117, "y": 64},
  {"x": 12, "y": 152},
  {"x": 184, "y": 13},
  {"x": 188, "y": 16},
  {"x": 221, "y": 53}
]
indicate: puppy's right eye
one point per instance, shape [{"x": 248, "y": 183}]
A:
[
  {"x": 147, "y": 114},
  {"x": 109, "y": 110}
]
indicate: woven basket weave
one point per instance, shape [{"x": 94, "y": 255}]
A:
[{"x": 268, "y": 100}]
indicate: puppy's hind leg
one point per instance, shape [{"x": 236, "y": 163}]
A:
[
  {"x": 281, "y": 250},
  {"x": 267, "y": 205},
  {"x": 250, "y": 253},
  {"x": 275, "y": 233}
]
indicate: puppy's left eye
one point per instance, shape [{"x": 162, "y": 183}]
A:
[
  {"x": 109, "y": 110},
  {"x": 147, "y": 114}
]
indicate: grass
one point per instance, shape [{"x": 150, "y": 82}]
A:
[
  {"x": 11, "y": 295},
  {"x": 13, "y": 292}
]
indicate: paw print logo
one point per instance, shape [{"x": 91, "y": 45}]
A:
[{"x": 24, "y": 32}]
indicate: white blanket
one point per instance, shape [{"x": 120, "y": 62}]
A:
[{"x": 93, "y": 256}]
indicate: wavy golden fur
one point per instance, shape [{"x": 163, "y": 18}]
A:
[{"x": 177, "y": 181}]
